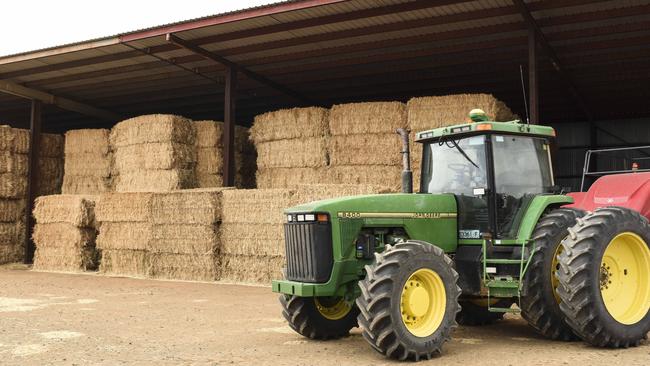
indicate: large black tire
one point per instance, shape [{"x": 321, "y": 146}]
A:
[
  {"x": 539, "y": 303},
  {"x": 583, "y": 272},
  {"x": 305, "y": 318},
  {"x": 473, "y": 314},
  {"x": 380, "y": 303}
]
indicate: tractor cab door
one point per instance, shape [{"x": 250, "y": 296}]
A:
[
  {"x": 522, "y": 171},
  {"x": 460, "y": 166}
]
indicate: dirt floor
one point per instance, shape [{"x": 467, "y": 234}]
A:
[{"x": 66, "y": 319}]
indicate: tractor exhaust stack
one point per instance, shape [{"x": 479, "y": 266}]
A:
[{"x": 407, "y": 174}]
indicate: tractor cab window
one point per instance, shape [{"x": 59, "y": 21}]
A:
[
  {"x": 459, "y": 166},
  {"x": 522, "y": 170}
]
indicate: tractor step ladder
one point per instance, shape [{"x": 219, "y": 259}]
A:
[{"x": 503, "y": 286}]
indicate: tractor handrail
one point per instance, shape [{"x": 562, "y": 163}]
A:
[{"x": 587, "y": 163}]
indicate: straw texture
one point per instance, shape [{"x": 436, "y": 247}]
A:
[
  {"x": 364, "y": 118},
  {"x": 292, "y": 123}
]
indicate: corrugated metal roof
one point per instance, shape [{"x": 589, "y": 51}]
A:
[{"x": 347, "y": 50}]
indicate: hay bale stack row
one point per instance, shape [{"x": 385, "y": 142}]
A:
[
  {"x": 125, "y": 229},
  {"x": 209, "y": 163},
  {"x": 291, "y": 146},
  {"x": 88, "y": 162},
  {"x": 252, "y": 233},
  {"x": 169, "y": 235},
  {"x": 154, "y": 153},
  {"x": 65, "y": 233},
  {"x": 50, "y": 165},
  {"x": 364, "y": 148},
  {"x": 425, "y": 113}
]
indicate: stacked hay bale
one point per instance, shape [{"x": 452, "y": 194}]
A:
[
  {"x": 50, "y": 165},
  {"x": 154, "y": 153},
  {"x": 65, "y": 233},
  {"x": 125, "y": 230},
  {"x": 364, "y": 147},
  {"x": 185, "y": 241},
  {"x": 209, "y": 163},
  {"x": 14, "y": 146},
  {"x": 88, "y": 162},
  {"x": 291, "y": 146},
  {"x": 252, "y": 233},
  {"x": 425, "y": 113}
]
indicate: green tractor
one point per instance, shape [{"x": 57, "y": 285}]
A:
[{"x": 488, "y": 229}]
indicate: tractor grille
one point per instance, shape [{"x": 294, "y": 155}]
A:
[{"x": 309, "y": 251}]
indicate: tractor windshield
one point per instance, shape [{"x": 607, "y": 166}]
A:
[{"x": 454, "y": 166}]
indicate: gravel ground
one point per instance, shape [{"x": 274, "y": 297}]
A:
[{"x": 64, "y": 319}]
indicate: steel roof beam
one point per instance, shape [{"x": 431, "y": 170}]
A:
[
  {"x": 9, "y": 87},
  {"x": 229, "y": 64},
  {"x": 550, "y": 53}
]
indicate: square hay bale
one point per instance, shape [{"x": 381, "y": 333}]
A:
[
  {"x": 87, "y": 141},
  {"x": 317, "y": 192},
  {"x": 14, "y": 140},
  {"x": 252, "y": 239},
  {"x": 251, "y": 269},
  {"x": 255, "y": 205},
  {"x": 63, "y": 259},
  {"x": 124, "y": 235},
  {"x": 153, "y": 128},
  {"x": 155, "y": 180},
  {"x": 85, "y": 184},
  {"x": 12, "y": 210},
  {"x": 13, "y": 163},
  {"x": 51, "y": 146},
  {"x": 9, "y": 233},
  {"x": 11, "y": 253},
  {"x": 154, "y": 156},
  {"x": 134, "y": 263},
  {"x": 78, "y": 210},
  {"x": 425, "y": 113},
  {"x": 367, "y": 149},
  {"x": 88, "y": 164},
  {"x": 192, "y": 206},
  {"x": 289, "y": 177},
  {"x": 210, "y": 134},
  {"x": 123, "y": 207},
  {"x": 183, "y": 267},
  {"x": 292, "y": 153},
  {"x": 184, "y": 239},
  {"x": 12, "y": 185},
  {"x": 63, "y": 235},
  {"x": 363, "y": 118},
  {"x": 388, "y": 176},
  {"x": 50, "y": 176},
  {"x": 290, "y": 124}
]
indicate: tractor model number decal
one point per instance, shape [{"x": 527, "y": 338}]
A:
[
  {"x": 469, "y": 234},
  {"x": 401, "y": 215}
]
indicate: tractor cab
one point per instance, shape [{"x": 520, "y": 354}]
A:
[{"x": 494, "y": 169}]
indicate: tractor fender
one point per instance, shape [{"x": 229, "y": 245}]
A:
[{"x": 536, "y": 209}]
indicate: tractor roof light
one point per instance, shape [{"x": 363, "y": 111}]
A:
[{"x": 483, "y": 127}]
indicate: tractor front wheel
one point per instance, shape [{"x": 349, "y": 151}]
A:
[
  {"x": 605, "y": 278},
  {"x": 319, "y": 317},
  {"x": 409, "y": 301}
]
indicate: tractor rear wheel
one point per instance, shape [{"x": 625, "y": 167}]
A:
[
  {"x": 409, "y": 301},
  {"x": 540, "y": 304},
  {"x": 605, "y": 278},
  {"x": 475, "y": 312},
  {"x": 319, "y": 317}
]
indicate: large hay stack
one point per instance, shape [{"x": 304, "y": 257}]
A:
[
  {"x": 88, "y": 162},
  {"x": 65, "y": 233},
  {"x": 364, "y": 148},
  {"x": 125, "y": 229},
  {"x": 425, "y": 113},
  {"x": 291, "y": 146},
  {"x": 209, "y": 163},
  {"x": 154, "y": 153},
  {"x": 252, "y": 233}
]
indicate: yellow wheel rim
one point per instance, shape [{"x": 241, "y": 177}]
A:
[
  {"x": 332, "y": 308},
  {"x": 625, "y": 278},
  {"x": 423, "y": 302},
  {"x": 555, "y": 266}
]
